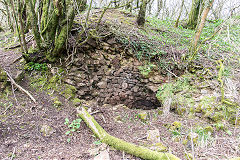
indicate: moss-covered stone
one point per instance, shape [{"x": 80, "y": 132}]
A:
[
  {"x": 76, "y": 101},
  {"x": 57, "y": 103},
  {"x": 208, "y": 129},
  {"x": 218, "y": 116},
  {"x": 176, "y": 125},
  {"x": 69, "y": 92}
]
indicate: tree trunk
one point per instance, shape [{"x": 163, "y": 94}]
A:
[
  {"x": 159, "y": 7},
  {"x": 177, "y": 21},
  {"x": 194, "y": 13},
  {"x": 142, "y": 13},
  {"x": 15, "y": 17},
  {"x": 8, "y": 16},
  {"x": 34, "y": 21},
  {"x": 200, "y": 28},
  {"x": 119, "y": 144},
  {"x": 22, "y": 27}
]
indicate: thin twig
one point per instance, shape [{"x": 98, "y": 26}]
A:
[
  {"x": 14, "y": 149},
  {"x": 14, "y": 94}
]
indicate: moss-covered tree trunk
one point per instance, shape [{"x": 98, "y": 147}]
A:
[
  {"x": 119, "y": 144},
  {"x": 199, "y": 29},
  {"x": 177, "y": 21},
  {"x": 142, "y": 13},
  {"x": 194, "y": 14},
  {"x": 52, "y": 27}
]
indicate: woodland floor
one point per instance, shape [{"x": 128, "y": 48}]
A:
[{"x": 21, "y": 121}]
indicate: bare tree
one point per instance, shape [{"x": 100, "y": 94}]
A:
[
  {"x": 200, "y": 28},
  {"x": 177, "y": 21}
]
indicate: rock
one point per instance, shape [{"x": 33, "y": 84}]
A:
[
  {"x": 135, "y": 89},
  {"x": 18, "y": 75},
  {"x": 93, "y": 152},
  {"x": 76, "y": 101},
  {"x": 204, "y": 91},
  {"x": 92, "y": 42},
  {"x": 102, "y": 84},
  {"x": 111, "y": 41},
  {"x": 69, "y": 81},
  {"x": 153, "y": 136},
  {"x": 57, "y": 103},
  {"x": 156, "y": 79},
  {"x": 81, "y": 84},
  {"x": 153, "y": 88},
  {"x": 103, "y": 155},
  {"x": 176, "y": 125},
  {"x": 124, "y": 85},
  {"x": 46, "y": 130},
  {"x": 208, "y": 129}
]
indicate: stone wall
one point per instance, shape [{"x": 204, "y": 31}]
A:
[{"x": 108, "y": 73}]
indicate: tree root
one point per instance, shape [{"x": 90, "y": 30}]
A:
[{"x": 119, "y": 144}]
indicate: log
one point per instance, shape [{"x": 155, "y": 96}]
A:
[{"x": 119, "y": 144}]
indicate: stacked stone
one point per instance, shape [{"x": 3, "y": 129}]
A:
[{"x": 111, "y": 77}]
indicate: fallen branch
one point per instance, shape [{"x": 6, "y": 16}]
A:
[
  {"x": 119, "y": 144},
  {"x": 18, "y": 86}
]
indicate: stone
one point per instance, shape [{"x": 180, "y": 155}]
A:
[
  {"x": 57, "y": 103},
  {"x": 153, "y": 136},
  {"x": 135, "y": 89},
  {"x": 81, "y": 93},
  {"x": 81, "y": 84},
  {"x": 46, "y": 130},
  {"x": 102, "y": 84},
  {"x": 103, "y": 155},
  {"x": 92, "y": 42},
  {"x": 69, "y": 81},
  {"x": 111, "y": 41},
  {"x": 76, "y": 101},
  {"x": 208, "y": 129},
  {"x": 18, "y": 75},
  {"x": 124, "y": 85},
  {"x": 176, "y": 125},
  {"x": 156, "y": 79},
  {"x": 153, "y": 88}
]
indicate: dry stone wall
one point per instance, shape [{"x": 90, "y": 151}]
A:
[{"x": 106, "y": 72}]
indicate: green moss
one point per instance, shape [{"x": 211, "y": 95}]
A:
[
  {"x": 76, "y": 101},
  {"x": 176, "y": 125},
  {"x": 218, "y": 116},
  {"x": 208, "y": 129},
  {"x": 142, "y": 116},
  {"x": 56, "y": 102},
  {"x": 69, "y": 92}
]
